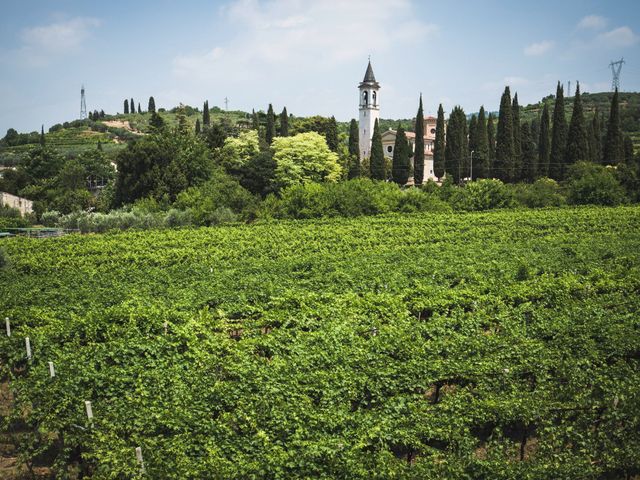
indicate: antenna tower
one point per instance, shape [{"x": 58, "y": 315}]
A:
[
  {"x": 615, "y": 72},
  {"x": 83, "y": 105}
]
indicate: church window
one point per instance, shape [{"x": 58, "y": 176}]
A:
[
  {"x": 365, "y": 98},
  {"x": 375, "y": 95}
]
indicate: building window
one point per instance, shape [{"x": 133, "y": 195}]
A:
[
  {"x": 375, "y": 95},
  {"x": 389, "y": 149},
  {"x": 365, "y": 98},
  {"x": 433, "y": 130}
]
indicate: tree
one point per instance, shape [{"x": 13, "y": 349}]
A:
[
  {"x": 132, "y": 106},
  {"x": 595, "y": 139},
  {"x": 457, "y": 148},
  {"x": 529, "y": 154},
  {"x": 491, "y": 136},
  {"x": 126, "y": 106},
  {"x": 439, "y": 145},
  {"x": 284, "y": 123},
  {"x": 517, "y": 141},
  {"x": 303, "y": 158},
  {"x": 401, "y": 158},
  {"x": 156, "y": 122},
  {"x": 504, "y": 166},
  {"x": 332, "y": 134},
  {"x": 197, "y": 126},
  {"x": 376, "y": 161},
  {"x": 206, "y": 114},
  {"x": 236, "y": 152},
  {"x": 271, "y": 125},
  {"x": 151, "y": 108},
  {"x": 418, "y": 156},
  {"x": 473, "y": 127},
  {"x": 614, "y": 142},
  {"x": 577, "y": 141},
  {"x": 42, "y": 135},
  {"x": 354, "y": 150},
  {"x": 544, "y": 143},
  {"x": 139, "y": 109},
  {"x": 481, "y": 152},
  {"x": 255, "y": 123},
  {"x": 628, "y": 150},
  {"x": 558, "y": 137}
]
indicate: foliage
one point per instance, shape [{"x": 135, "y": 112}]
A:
[
  {"x": 418, "y": 156},
  {"x": 613, "y": 151},
  {"x": 517, "y": 139},
  {"x": 401, "y": 158},
  {"x": 284, "y": 123},
  {"x": 485, "y": 194},
  {"x": 504, "y": 165},
  {"x": 590, "y": 183},
  {"x": 4, "y": 259},
  {"x": 376, "y": 159},
  {"x": 544, "y": 192},
  {"x": 354, "y": 150},
  {"x": 544, "y": 143},
  {"x": 558, "y": 137},
  {"x": 577, "y": 139},
  {"x": 457, "y": 148},
  {"x": 271, "y": 125},
  {"x": 439, "y": 145},
  {"x": 487, "y": 345},
  {"x": 481, "y": 160},
  {"x": 302, "y": 158},
  {"x": 219, "y": 192},
  {"x": 237, "y": 152}
]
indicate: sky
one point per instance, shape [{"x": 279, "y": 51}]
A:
[{"x": 307, "y": 55}]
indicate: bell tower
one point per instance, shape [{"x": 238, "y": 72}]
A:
[{"x": 369, "y": 110}]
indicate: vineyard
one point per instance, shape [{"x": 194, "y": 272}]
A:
[{"x": 426, "y": 346}]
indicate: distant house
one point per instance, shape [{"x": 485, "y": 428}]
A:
[
  {"x": 25, "y": 206},
  {"x": 389, "y": 140}
]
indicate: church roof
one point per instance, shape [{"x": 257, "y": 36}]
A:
[{"x": 369, "y": 77}]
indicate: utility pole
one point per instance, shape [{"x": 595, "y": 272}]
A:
[
  {"x": 226, "y": 104},
  {"x": 615, "y": 72},
  {"x": 471, "y": 172}
]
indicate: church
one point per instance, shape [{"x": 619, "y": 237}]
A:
[{"x": 369, "y": 106}]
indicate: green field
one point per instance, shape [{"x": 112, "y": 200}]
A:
[{"x": 498, "y": 345}]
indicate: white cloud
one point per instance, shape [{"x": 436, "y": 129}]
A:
[
  {"x": 41, "y": 43},
  {"x": 540, "y": 48},
  {"x": 618, "y": 37},
  {"x": 595, "y": 22},
  {"x": 290, "y": 35}
]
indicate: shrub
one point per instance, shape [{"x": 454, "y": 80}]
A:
[
  {"x": 485, "y": 194},
  {"x": 4, "y": 259},
  {"x": 415, "y": 200},
  {"x": 544, "y": 192},
  {"x": 50, "y": 218},
  {"x": 589, "y": 183}
]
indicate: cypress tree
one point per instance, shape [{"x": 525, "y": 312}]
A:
[
  {"x": 132, "y": 106},
  {"x": 544, "y": 143},
  {"x": 42, "y": 135},
  {"x": 354, "y": 150},
  {"x": 126, "y": 106},
  {"x": 595, "y": 141},
  {"x": 331, "y": 134},
  {"x": 139, "y": 109},
  {"x": 628, "y": 150},
  {"x": 503, "y": 167},
  {"x": 401, "y": 154},
  {"x": 473, "y": 125},
  {"x": 529, "y": 154},
  {"x": 206, "y": 114},
  {"x": 481, "y": 155},
  {"x": 151, "y": 108},
  {"x": 376, "y": 161},
  {"x": 197, "y": 126},
  {"x": 614, "y": 142},
  {"x": 284, "y": 123},
  {"x": 577, "y": 141},
  {"x": 517, "y": 142},
  {"x": 558, "y": 137},
  {"x": 271, "y": 125},
  {"x": 491, "y": 136},
  {"x": 255, "y": 123},
  {"x": 456, "y": 148},
  {"x": 439, "y": 146},
  {"x": 418, "y": 157}
]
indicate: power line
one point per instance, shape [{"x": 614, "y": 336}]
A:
[{"x": 615, "y": 72}]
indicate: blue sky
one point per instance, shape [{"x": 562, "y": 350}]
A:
[{"x": 306, "y": 54}]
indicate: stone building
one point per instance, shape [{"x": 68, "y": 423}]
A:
[{"x": 25, "y": 206}]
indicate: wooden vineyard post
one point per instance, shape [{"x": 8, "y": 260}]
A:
[
  {"x": 8, "y": 324},
  {"x": 52, "y": 370},
  {"x": 27, "y": 344},
  {"x": 87, "y": 406}
]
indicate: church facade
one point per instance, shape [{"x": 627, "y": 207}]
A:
[{"x": 369, "y": 107}]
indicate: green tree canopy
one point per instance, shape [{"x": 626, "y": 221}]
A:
[
  {"x": 505, "y": 153},
  {"x": 376, "y": 161},
  {"x": 558, "y": 137},
  {"x": 284, "y": 123},
  {"x": 271, "y": 125},
  {"x": 439, "y": 145},
  {"x": 577, "y": 141},
  {"x": 544, "y": 143},
  {"x": 401, "y": 158},
  {"x": 481, "y": 167},
  {"x": 614, "y": 141},
  {"x": 151, "y": 108},
  {"x": 354, "y": 149},
  {"x": 303, "y": 158},
  {"x": 418, "y": 157}
]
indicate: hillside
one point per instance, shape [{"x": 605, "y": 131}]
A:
[{"x": 500, "y": 345}]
